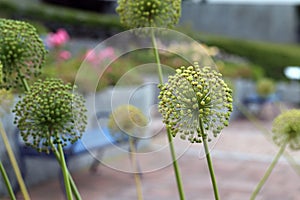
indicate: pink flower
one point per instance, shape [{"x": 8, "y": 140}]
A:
[
  {"x": 65, "y": 55},
  {"x": 107, "y": 53},
  {"x": 57, "y": 39},
  {"x": 91, "y": 57}
]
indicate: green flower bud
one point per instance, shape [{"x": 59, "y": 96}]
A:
[
  {"x": 286, "y": 128},
  {"x": 149, "y": 13},
  {"x": 22, "y": 52},
  {"x": 127, "y": 119},
  {"x": 207, "y": 102},
  {"x": 37, "y": 123}
]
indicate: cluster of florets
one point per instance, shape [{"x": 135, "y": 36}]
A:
[
  {"x": 286, "y": 128},
  {"x": 149, "y": 13},
  {"x": 195, "y": 101},
  {"x": 127, "y": 120},
  {"x": 22, "y": 52},
  {"x": 50, "y": 113}
]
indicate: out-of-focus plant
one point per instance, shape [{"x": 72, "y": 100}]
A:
[
  {"x": 127, "y": 121},
  {"x": 286, "y": 133},
  {"x": 265, "y": 87},
  {"x": 22, "y": 53}
]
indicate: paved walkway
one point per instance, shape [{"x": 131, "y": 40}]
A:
[{"x": 240, "y": 158}]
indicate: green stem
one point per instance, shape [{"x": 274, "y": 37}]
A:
[
  {"x": 7, "y": 182},
  {"x": 170, "y": 139},
  {"x": 65, "y": 172},
  {"x": 160, "y": 73},
  {"x": 175, "y": 166},
  {"x": 137, "y": 177},
  {"x": 209, "y": 162},
  {"x": 72, "y": 183},
  {"x": 25, "y": 84},
  {"x": 14, "y": 163},
  {"x": 268, "y": 172}
]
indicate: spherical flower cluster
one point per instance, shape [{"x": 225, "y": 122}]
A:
[
  {"x": 149, "y": 13},
  {"x": 127, "y": 120},
  {"x": 286, "y": 128},
  {"x": 22, "y": 52},
  {"x": 50, "y": 112},
  {"x": 265, "y": 87},
  {"x": 194, "y": 102}
]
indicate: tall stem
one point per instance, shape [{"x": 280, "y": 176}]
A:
[
  {"x": 209, "y": 162},
  {"x": 14, "y": 163},
  {"x": 268, "y": 172},
  {"x": 7, "y": 182},
  {"x": 137, "y": 177},
  {"x": 159, "y": 70},
  {"x": 72, "y": 183},
  {"x": 170, "y": 139},
  {"x": 65, "y": 172},
  {"x": 175, "y": 166}
]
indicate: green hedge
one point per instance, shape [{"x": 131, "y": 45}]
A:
[
  {"x": 272, "y": 57},
  {"x": 36, "y": 10}
]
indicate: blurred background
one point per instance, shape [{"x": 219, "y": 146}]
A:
[{"x": 254, "y": 44}]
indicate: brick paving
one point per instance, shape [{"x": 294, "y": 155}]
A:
[{"x": 240, "y": 158}]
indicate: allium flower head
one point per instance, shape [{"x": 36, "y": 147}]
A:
[
  {"x": 50, "y": 111},
  {"x": 194, "y": 101},
  {"x": 22, "y": 52},
  {"x": 127, "y": 119},
  {"x": 149, "y": 13},
  {"x": 286, "y": 128},
  {"x": 265, "y": 87}
]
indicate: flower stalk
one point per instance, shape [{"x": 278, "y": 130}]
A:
[
  {"x": 14, "y": 163},
  {"x": 7, "y": 182},
  {"x": 268, "y": 172},
  {"x": 209, "y": 163},
  {"x": 170, "y": 139},
  {"x": 137, "y": 176}
]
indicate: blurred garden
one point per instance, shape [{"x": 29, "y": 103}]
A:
[{"x": 241, "y": 86}]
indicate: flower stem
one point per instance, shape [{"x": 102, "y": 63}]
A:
[
  {"x": 72, "y": 183},
  {"x": 7, "y": 182},
  {"x": 170, "y": 139},
  {"x": 137, "y": 177},
  {"x": 14, "y": 163},
  {"x": 268, "y": 172},
  {"x": 25, "y": 84},
  {"x": 209, "y": 162},
  {"x": 160, "y": 74},
  {"x": 175, "y": 166},
  {"x": 65, "y": 172}
]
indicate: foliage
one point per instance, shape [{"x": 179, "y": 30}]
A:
[
  {"x": 39, "y": 11},
  {"x": 273, "y": 58}
]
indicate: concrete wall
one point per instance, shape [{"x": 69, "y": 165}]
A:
[{"x": 276, "y": 23}]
